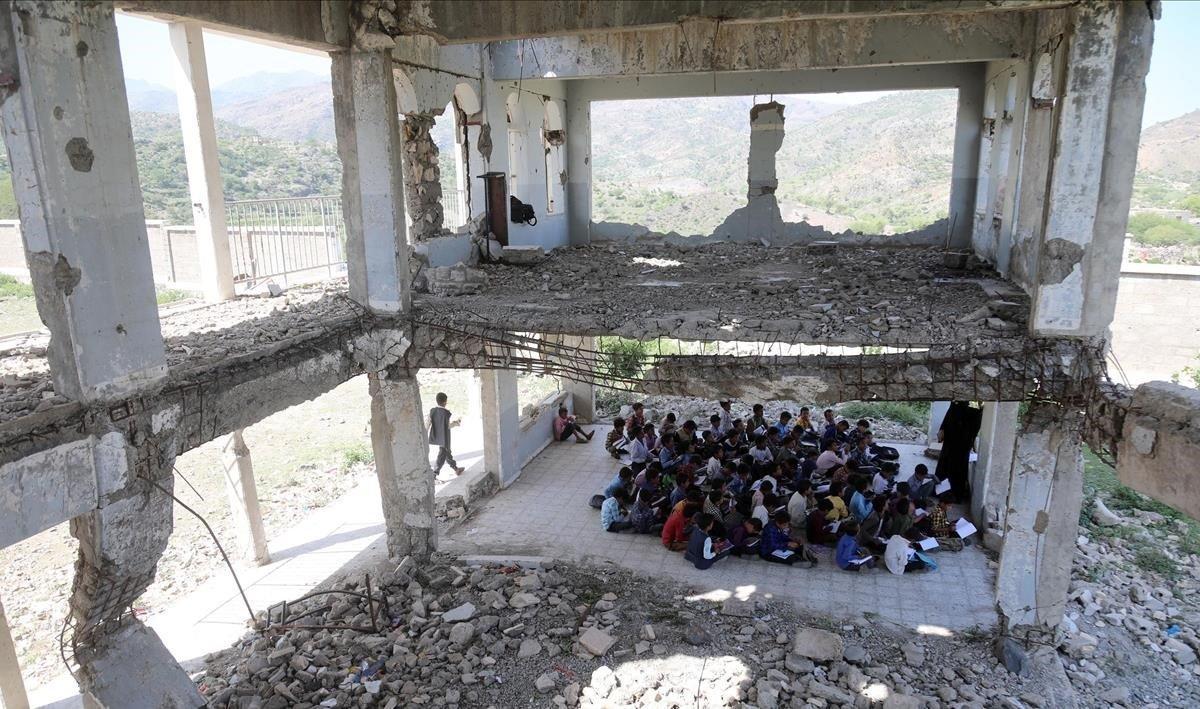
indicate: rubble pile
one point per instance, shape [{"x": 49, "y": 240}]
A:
[
  {"x": 847, "y": 294},
  {"x": 1130, "y": 633},
  {"x": 195, "y": 337},
  {"x": 478, "y": 636}
]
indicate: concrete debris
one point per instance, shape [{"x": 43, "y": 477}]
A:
[
  {"x": 743, "y": 291},
  {"x": 522, "y": 255},
  {"x": 459, "y": 279},
  {"x": 819, "y": 645},
  {"x": 504, "y": 656}
]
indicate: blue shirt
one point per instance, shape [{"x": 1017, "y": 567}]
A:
[
  {"x": 610, "y": 512},
  {"x": 859, "y": 507},
  {"x": 847, "y": 549},
  {"x": 616, "y": 484},
  {"x": 773, "y": 538}
]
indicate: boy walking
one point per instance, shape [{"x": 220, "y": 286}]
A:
[{"x": 439, "y": 435}]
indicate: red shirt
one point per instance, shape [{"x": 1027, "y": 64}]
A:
[{"x": 673, "y": 529}]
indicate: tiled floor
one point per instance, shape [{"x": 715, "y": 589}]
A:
[{"x": 545, "y": 513}]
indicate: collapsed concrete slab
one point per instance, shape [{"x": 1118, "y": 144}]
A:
[{"x": 1160, "y": 445}]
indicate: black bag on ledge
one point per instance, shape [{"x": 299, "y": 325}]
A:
[{"x": 521, "y": 213}]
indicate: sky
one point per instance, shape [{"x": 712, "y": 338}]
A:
[{"x": 1172, "y": 87}]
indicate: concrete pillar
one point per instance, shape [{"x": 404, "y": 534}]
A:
[
  {"x": 369, "y": 145},
  {"x": 991, "y": 477},
  {"x": 200, "y": 154},
  {"x": 501, "y": 424},
  {"x": 12, "y": 687},
  {"x": 579, "y": 166},
  {"x": 583, "y": 394},
  {"x": 243, "y": 499},
  {"x": 120, "y": 544},
  {"x": 1120, "y": 161},
  {"x": 966, "y": 166},
  {"x": 1072, "y": 253},
  {"x": 66, "y": 126},
  {"x": 401, "y": 446},
  {"x": 1044, "y": 499},
  {"x": 937, "y": 412},
  {"x": 422, "y": 176}
]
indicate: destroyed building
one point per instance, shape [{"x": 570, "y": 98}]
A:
[{"x": 1007, "y": 301}]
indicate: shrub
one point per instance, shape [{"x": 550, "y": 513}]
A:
[
  {"x": 621, "y": 358},
  {"x": 1191, "y": 203},
  {"x": 12, "y": 288},
  {"x": 1151, "y": 559},
  {"x": 909, "y": 413},
  {"x": 1149, "y": 228},
  {"x": 357, "y": 454},
  {"x": 1189, "y": 375}
]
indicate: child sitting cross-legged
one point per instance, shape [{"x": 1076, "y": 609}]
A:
[
  {"x": 643, "y": 516},
  {"x": 702, "y": 550},
  {"x": 675, "y": 531},
  {"x": 776, "y": 544},
  {"x": 849, "y": 555},
  {"x": 744, "y": 537}
]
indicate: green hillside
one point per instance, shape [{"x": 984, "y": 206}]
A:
[
  {"x": 885, "y": 163},
  {"x": 252, "y": 167}
]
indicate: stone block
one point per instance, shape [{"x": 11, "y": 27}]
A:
[
  {"x": 459, "y": 614},
  {"x": 596, "y": 641},
  {"x": 522, "y": 255},
  {"x": 819, "y": 645}
]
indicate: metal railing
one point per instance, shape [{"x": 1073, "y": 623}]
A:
[
  {"x": 303, "y": 238},
  {"x": 454, "y": 208}
]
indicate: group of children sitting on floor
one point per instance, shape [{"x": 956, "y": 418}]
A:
[{"x": 773, "y": 489}]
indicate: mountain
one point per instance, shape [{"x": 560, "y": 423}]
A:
[
  {"x": 147, "y": 96},
  {"x": 299, "y": 113},
  {"x": 290, "y": 106},
  {"x": 1171, "y": 149},
  {"x": 883, "y": 165}
]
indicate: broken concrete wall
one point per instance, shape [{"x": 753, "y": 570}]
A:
[
  {"x": 705, "y": 45},
  {"x": 528, "y": 149},
  {"x": 422, "y": 177},
  {"x": 581, "y": 93},
  {"x": 1002, "y": 125},
  {"x": 1160, "y": 445}
]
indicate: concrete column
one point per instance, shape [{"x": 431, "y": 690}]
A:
[
  {"x": 501, "y": 424},
  {"x": 583, "y": 394},
  {"x": 1044, "y": 499},
  {"x": 422, "y": 176},
  {"x": 120, "y": 544},
  {"x": 65, "y": 121},
  {"x": 937, "y": 412},
  {"x": 200, "y": 154},
  {"x": 579, "y": 166},
  {"x": 243, "y": 499},
  {"x": 369, "y": 145},
  {"x": 991, "y": 477},
  {"x": 966, "y": 166},
  {"x": 1070, "y": 249},
  {"x": 401, "y": 446},
  {"x": 12, "y": 687}
]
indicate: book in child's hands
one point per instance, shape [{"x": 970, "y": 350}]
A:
[{"x": 782, "y": 553}]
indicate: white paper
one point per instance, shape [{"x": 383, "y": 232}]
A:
[
  {"x": 943, "y": 486},
  {"x": 928, "y": 543},
  {"x": 781, "y": 554},
  {"x": 759, "y": 431},
  {"x": 822, "y": 488},
  {"x": 700, "y": 480},
  {"x": 910, "y": 553},
  {"x": 964, "y": 528},
  {"x": 833, "y": 528},
  {"x": 860, "y": 562},
  {"x": 919, "y": 513}
]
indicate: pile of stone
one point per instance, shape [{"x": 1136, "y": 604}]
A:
[
  {"x": 1129, "y": 636},
  {"x": 488, "y": 635},
  {"x": 753, "y": 292},
  {"x": 194, "y": 337}
]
